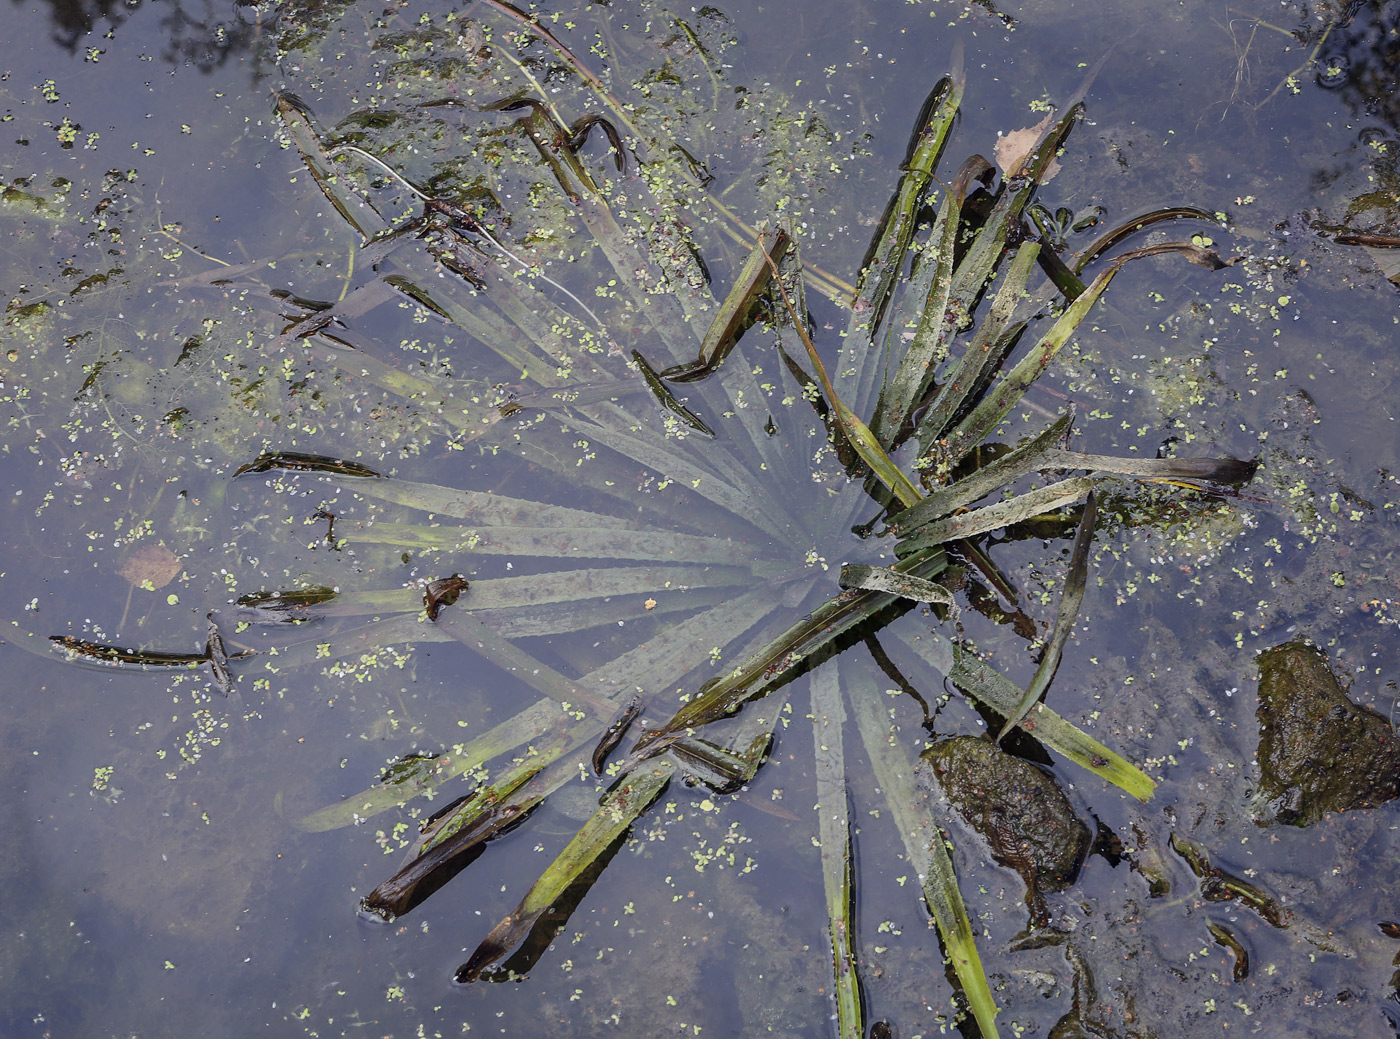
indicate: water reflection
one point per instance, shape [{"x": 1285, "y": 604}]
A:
[{"x": 204, "y": 33}]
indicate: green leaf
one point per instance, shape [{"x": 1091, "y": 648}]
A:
[
  {"x": 1064, "y": 619},
  {"x": 764, "y": 670},
  {"x": 1008, "y": 391},
  {"x": 1003, "y": 514},
  {"x": 485, "y": 509},
  {"x": 514, "y": 732},
  {"x": 923, "y": 841},
  {"x": 557, "y": 543},
  {"x": 834, "y": 834},
  {"x": 887, "y": 579},
  {"x": 598, "y": 835},
  {"x": 1002, "y": 695},
  {"x": 982, "y": 354},
  {"x": 916, "y": 370},
  {"x": 1029, "y": 456},
  {"x": 358, "y": 213},
  {"x": 889, "y": 248}
]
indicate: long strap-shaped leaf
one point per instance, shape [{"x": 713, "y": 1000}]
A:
[
  {"x": 928, "y": 855},
  {"x": 834, "y": 834},
  {"x": 887, "y": 579},
  {"x": 1072, "y": 596},
  {"x": 541, "y": 716},
  {"x": 983, "y": 256},
  {"x": 480, "y": 508},
  {"x": 452, "y": 844},
  {"x": 916, "y": 369},
  {"x": 554, "y": 543},
  {"x": 734, "y": 313},
  {"x": 857, "y": 433},
  {"x": 360, "y": 214},
  {"x": 994, "y": 407},
  {"x": 763, "y": 671},
  {"x": 998, "y": 692},
  {"x": 1026, "y": 458},
  {"x": 1209, "y": 470},
  {"x": 1003, "y": 514},
  {"x": 608, "y": 823},
  {"x": 889, "y": 249},
  {"x": 981, "y": 354}
]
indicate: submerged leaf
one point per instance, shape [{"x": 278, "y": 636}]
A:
[
  {"x": 834, "y": 832},
  {"x": 597, "y": 837},
  {"x": 297, "y": 461},
  {"x": 924, "y": 844},
  {"x": 151, "y": 567},
  {"x": 1064, "y": 619}
]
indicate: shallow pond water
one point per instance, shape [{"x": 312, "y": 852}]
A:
[{"x": 161, "y": 875}]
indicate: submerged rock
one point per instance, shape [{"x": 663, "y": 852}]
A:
[
  {"x": 1318, "y": 751},
  {"x": 1018, "y": 809}
]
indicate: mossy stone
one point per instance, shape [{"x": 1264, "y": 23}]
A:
[
  {"x": 1018, "y": 809},
  {"x": 1318, "y": 751}
]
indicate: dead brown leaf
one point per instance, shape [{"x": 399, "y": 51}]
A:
[
  {"x": 1014, "y": 149},
  {"x": 150, "y": 567}
]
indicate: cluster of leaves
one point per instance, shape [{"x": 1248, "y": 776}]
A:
[
  {"x": 716, "y": 556},
  {"x": 683, "y": 495}
]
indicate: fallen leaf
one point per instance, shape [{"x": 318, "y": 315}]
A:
[
  {"x": 150, "y": 567},
  {"x": 1014, "y": 149}
]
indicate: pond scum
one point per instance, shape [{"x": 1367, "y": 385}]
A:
[{"x": 725, "y": 403}]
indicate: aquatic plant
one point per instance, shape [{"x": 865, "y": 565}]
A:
[
  {"x": 711, "y": 554},
  {"x": 682, "y": 492}
]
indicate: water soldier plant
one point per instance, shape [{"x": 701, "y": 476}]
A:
[
  {"x": 679, "y": 425},
  {"x": 925, "y": 358}
]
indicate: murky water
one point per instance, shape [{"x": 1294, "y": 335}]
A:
[{"x": 157, "y": 880}]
